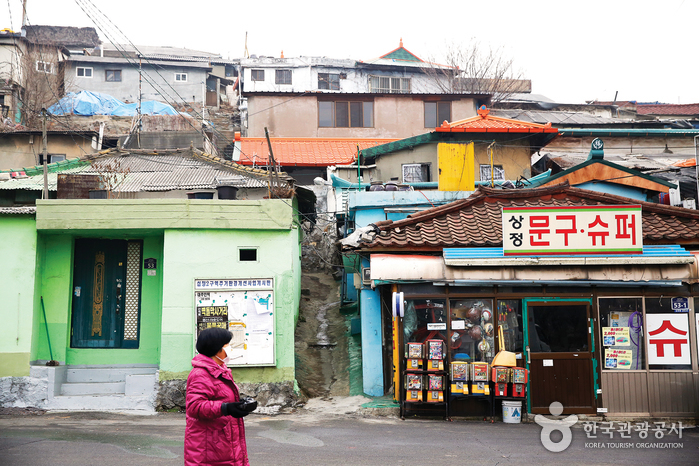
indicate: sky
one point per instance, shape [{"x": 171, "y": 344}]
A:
[{"x": 573, "y": 52}]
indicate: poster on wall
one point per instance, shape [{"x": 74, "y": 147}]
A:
[
  {"x": 246, "y": 309},
  {"x": 617, "y": 359},
  {"x": 616, "y": 336},
  {"x": 668, "y": 339},
  {"x": 624, "y": 334}
]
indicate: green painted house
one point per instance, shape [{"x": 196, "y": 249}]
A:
[{"x": 115, "y": 290}]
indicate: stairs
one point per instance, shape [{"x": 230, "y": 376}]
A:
[{"x": 105, "y": 388}]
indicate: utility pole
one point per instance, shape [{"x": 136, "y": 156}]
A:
[
  {"x": 140, "y": 99},
  {"x": 272, "y": 173},
  {"x": 24, "y": 13},
  {"x": 45, "y": 194}
]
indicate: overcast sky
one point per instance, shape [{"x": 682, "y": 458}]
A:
[{"x": 572, "y": 51}]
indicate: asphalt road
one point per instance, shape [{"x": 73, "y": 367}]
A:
[{"x": 321, "y": 439}]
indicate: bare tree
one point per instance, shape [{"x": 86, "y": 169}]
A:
[
  {"x": 42, "y": 73},
  {"x": 111, "y": 173},
  {"x": 472, "y": 68}
]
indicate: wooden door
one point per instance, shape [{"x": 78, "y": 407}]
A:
[
  {"x": 559, "y": 356},
  {"x": 99, "y": 279}
]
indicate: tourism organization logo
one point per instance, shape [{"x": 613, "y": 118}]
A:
[
  {"x": 549, "y": 426},
  {"x": 648, "y": 433}
]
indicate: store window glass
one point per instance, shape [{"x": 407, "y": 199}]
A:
[
  {"x": 472, "y": 333},
  {"x": 621, "y": 324},
  {"x": 425, "y": 319},
  {"x": 509, "y": 317},
  {"x": 558, "y": 328},
  {"x": 667, "y": 333}
]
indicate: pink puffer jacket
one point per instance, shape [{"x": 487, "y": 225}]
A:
[{"x": 212, "y": 439}]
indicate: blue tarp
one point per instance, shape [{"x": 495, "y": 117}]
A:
[
  {"x": 148, "y": 107},
  {"x": 85, "y": 103}
]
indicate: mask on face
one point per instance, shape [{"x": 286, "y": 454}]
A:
[{"x": 227, "y": 350}]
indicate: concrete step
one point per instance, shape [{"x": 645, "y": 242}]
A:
[
  {"x": 100, "y": 388},
  {"x": 104, "y": 375},
  {"x": 144, "y": 404}
]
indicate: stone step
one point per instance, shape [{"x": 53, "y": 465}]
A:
[
  {"x": 100, "y": 388},
  {"x": 143, "y": 404},
  {"x": 105, "y": 375}
]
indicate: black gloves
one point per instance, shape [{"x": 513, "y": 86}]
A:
[{"x": 233, "y": 409}]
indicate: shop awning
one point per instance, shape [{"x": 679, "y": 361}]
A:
[
  {"x": 652, "y": 255},
  {"x": 395, "y": 268}
]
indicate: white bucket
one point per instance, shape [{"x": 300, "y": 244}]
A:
[{"x": 512, "y": 412}]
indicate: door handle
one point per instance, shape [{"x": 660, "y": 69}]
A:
[{"x": 529, "y": 359}]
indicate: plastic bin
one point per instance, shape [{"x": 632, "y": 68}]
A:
[{"x": 512, "y": 412}]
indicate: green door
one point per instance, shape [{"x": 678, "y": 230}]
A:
[{"x": 99, "y": 280}]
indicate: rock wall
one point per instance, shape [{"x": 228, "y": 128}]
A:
[
  {"x": 23, "y": 392},
  {"x": 271, "y": 397}
]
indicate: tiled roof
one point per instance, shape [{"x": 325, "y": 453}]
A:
[
  {"x": 305, "y": 152},
  {"x": 401, "y": 53},
  {"x": 485, "y": 123},
  {"x": 668, "y": 109},
  {"x": 477, "y": 220}
]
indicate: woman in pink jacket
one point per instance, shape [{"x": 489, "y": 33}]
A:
[{"x": 215, "y": 432}]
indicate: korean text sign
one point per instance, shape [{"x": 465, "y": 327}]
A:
[
  {"x": 572, "y": 230},
  {"x": 668, "y": 339}
]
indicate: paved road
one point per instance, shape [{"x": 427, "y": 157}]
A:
[{"x": 317, "y": 439}]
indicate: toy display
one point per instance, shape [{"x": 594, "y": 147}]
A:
[
  {"x": 435, "y": 382},
  {"x": 413, "y": 381},
  {"x": 520, "y": 377},
  {"x": 459, "y": 378},
  {"x": 501, "y": 374},
  {"x": 414, "y": 350},
  {"x": 435, "y": 349}
]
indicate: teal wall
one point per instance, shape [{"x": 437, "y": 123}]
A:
[
  {"x": 18, "y": 249},
  {"x": 192, "y": 254}
]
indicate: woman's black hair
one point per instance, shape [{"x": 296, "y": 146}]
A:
[{"x": 212, "y": 339}]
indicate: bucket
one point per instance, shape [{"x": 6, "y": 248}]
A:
[{"x": 512, "y": 412}]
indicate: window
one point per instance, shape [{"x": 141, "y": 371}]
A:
[
  {"x": 52, "y": 158},
  {"x": 282, "y": 76},
  {"x": 436, "y": 113},
  {"x": 621, "y": 323},
  {"x": 112, "y": 76},
  {"x": 416, "y": 172},
  {"x": 44, "y": 67},
  {"x": 346, "y": 114},
  {"x": 499, "y": 174},
  {"x": 329, "y": 81},
  {"x": 247, "y": 255},
  {"x": 82, "y": 72},
  {"x": 257, "y": 75},
  {"x": 180, "y": 77},
  {"x": 389, "y": 85}
]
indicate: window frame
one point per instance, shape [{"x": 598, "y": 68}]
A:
[
  {"x": 424, "y": 169},
  {"x": 106, "y": 76},
  {"x": 179, "y": 76},
  {"x": 498, "y": 169},
  {"x": 85, "y": 70},
  {"x": 44, "y": 66},
  {"x": 255, "y": 75},
  {"x": 328, "y": 84},
  {"x": 390, "y": 88},
  {"x": 363, "y": 118},
  {"x": 437, "y": 119},
  {"x": 282, "y": 73}
]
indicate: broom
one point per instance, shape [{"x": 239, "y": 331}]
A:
[{"x": 48, "y": 337}]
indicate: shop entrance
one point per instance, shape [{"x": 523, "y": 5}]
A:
[{"x": 559, "y": 349}]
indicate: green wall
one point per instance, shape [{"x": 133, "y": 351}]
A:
[
  {"x": 18, "y": 249},
  {"x": 56, "y": 288},
  {"x": 192, "y": 254}
]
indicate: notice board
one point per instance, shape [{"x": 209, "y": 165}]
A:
[{"x": 246, "y": 308}]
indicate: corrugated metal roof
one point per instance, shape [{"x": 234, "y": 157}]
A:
[
  {"x": 149, "y": 172},
  {"x": 309, "y": 152},
  {"x": 557, "y": 118},
  {"x": 18, "y": 210}
]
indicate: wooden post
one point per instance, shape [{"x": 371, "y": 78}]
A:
[{"x": 44, "y": 151}]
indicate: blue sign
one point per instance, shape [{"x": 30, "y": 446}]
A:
[{"x": 680, "y": 304}]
